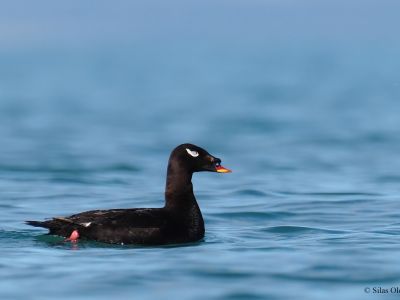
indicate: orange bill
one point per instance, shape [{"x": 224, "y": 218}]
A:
[{"x": 221, "y": 169}]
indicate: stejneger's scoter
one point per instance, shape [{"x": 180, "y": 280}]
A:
[{"x": 179, "y": 221}]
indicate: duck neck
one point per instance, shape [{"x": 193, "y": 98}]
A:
[{"x": 179, "y": 187}]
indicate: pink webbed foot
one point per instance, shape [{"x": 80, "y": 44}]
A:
[{"x": 73, "y": 237}]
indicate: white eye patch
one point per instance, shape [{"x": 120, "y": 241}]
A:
[{"x": 192, "y": 153}]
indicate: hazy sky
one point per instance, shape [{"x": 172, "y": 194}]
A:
[{"x": 86, "y": 23}]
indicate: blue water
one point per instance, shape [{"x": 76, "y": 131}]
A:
[{"x": 311, "y": 132}]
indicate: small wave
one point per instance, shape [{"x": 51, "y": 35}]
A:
[
  {"x": 224, "y": 274},
  {"x": 250, "y": 192},
  {"x": 45, "y": 169},
  {"x": 16, "y": 235},
  {"x": 243, "y": 296},
  {"x": 299, "y": 229},
  {"x": 390, "y": 232},
  {"x": 7, "y": 206},
  {"x": 122, "y": 167},
  {"x": 361, "y": 278},
  {"x": 331, "y": 194},
  {"x": 251, "y": 215},
  {"x": 388, "y": 179},
  {"x": 255, "y": 193}
]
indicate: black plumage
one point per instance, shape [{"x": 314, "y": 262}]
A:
[{"x": 179, "y": 221}]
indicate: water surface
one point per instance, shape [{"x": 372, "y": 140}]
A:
[{"x": 312, "y": 135}]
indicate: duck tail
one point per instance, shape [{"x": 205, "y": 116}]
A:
[
  {"x": 37, "y": 224},
  {"x": 58, "y": 226}
]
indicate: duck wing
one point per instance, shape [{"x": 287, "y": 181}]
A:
[{"x": 130, "y": 226}]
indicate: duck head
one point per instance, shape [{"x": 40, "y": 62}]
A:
[{"x": 196, "y": 159}]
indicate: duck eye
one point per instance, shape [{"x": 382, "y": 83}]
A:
[{"x": 192, "y": 152}]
